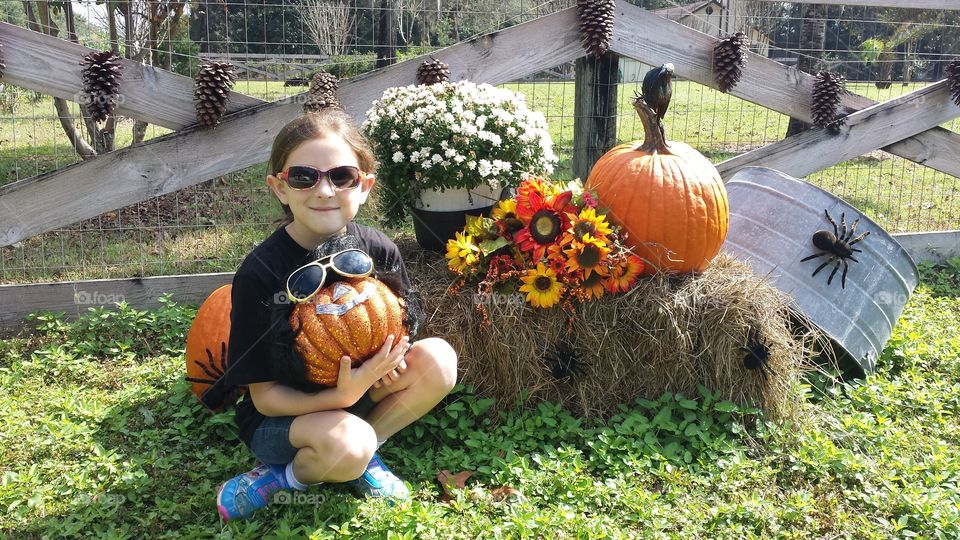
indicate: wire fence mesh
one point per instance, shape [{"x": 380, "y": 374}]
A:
[{"x": 277, "y": 45}]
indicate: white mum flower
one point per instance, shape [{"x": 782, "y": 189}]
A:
[{"x": 397, "y": 157}]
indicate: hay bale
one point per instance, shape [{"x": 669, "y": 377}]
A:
[{"x": 668, "y": 334}]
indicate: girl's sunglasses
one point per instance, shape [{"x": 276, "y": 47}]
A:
[
  {"x": 304, "y": 177},
  {"x": 307, "y": 280}
]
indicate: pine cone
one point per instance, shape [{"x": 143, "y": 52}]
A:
[
  {"x": 433, "y": 71},
  {"x": 596, "y": 25},
  {"x": 323, "y": 93},
  {"x": 211, "y": 93},
  {"x": 729, "y": 57},
  {"x": 828, "y": 88},
  {"x": 953, "y": 75},
  {"x": 101, "y": 83}
]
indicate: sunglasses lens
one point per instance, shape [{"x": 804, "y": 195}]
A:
[
  {"x": 345, "y": 177},
  {"x": 302, "y": 177},
  {"x": 305, "y": 281},
  {"x": 355, "y": 263}
]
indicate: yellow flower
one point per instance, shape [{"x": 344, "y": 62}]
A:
[
  {"x": 587, "y": 222},
  {"x": 504, "y": 209},
  {"x": 541, "y": 285},
  {"x": 462, "y": 252},
  {"x": 588, "y": 255}
]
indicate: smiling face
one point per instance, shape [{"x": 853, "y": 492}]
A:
[{"x": 321, "y": 211}]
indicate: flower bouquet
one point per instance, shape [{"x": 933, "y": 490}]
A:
[
  {"x": 550, "y": 242},
  {"x": 453, "y": 135}
]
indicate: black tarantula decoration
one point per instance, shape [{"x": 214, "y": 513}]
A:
[
  {"x": 565, "y": 361},
  {"x": 837, "y": 246},
  {"x": 216, "y": 396},
  {"x": 757, "y": 354}
]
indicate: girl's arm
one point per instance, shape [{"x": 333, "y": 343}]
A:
[{"x": 274, "y": 399}]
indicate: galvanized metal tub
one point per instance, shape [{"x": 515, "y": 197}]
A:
[{"x": 773, "y": 217}]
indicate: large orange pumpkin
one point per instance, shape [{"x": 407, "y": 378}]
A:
[
  {"x": 667, "y": 197},
  {"x": 348, "y": 318},
  {"x": 206, "y": 352}
]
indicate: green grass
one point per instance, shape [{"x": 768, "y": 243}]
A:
[
  {"x": 102, "y": 439},
  {"x": 898, "y": 194}
]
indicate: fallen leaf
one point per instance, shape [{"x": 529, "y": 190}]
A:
[
  {"x": 506, "y": 492},
  {"x": 449, "y": 481}
]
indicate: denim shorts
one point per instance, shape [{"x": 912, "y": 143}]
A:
[{"x": 271, "y": 440}]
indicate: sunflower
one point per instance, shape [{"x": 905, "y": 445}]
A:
[
  {"x": 462, "y": 252},
  {"x": 584, "y": 223},
  {"x": 593, "y": 285},
  {"x": 624, "y": 274},
  {"x": 587, "y": 255},
  {"x": 544, "y": 220},
  {"x": 505, "y": 216},
  {"x": 541, "y": 285}
]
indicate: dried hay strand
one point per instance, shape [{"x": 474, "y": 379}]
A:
[{"x": 667, "y": 334}]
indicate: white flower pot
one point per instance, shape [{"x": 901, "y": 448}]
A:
[
  {"x": 439, "y": 215},
  {"x": 451, "y": 200}
]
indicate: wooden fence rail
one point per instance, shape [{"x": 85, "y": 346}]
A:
[{"x": 51, "y": 66}]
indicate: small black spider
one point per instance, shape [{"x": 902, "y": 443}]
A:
[
  {"x": 838, "y": 246},
  {"x": 213, "y": 369},
  {"x": 565, "y": 361},
  {"x": 757, "y": 355}
]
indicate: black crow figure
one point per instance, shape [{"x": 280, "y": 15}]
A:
[{"x": 658, "y": 89}]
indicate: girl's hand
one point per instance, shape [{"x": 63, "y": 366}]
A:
[
  {"x": 392, "y": 377},
  {"x": 354, "y": 382}
]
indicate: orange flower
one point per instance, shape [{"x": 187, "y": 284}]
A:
[
  {"x": 624, "y": 274},
  {"x": 593, "y": 285}
]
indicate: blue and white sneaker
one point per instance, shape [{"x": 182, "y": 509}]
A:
[
  {"x": 379, "y": 481},
  {"x": 242, "y": 495}
]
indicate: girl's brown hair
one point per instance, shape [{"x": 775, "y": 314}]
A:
[{"x": 329, "y": 122}]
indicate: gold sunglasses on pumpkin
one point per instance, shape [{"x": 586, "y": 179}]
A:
[
  {"x": 303, "y": 177},
  {"x": 306, "y": 281}
]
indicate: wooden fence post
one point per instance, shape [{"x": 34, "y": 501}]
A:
[{"x": 594, "y": 111}]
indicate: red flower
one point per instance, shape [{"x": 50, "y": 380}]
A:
[
  {"x": 589, "y": 200},
  {"x": 544, "y": 219}
]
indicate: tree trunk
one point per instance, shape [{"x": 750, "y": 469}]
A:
[
  {"x": 47, "y": 26},
  {"x": 812, "y": 36},
  {"x": 84, "y": 150}
]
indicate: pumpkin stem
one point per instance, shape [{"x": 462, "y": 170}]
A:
[{"x": 654, "y": 135}]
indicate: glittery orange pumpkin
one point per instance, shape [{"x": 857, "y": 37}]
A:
[
  {"x": 349, "y": 318},
  {"x": 206, "y": 351}
]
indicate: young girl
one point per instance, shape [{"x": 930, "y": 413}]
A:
[{"x": 321, "y": 171}]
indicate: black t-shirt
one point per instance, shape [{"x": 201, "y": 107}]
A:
[{"x": 259, "y": 286}]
